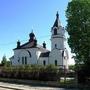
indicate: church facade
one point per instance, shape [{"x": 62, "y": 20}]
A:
[{"x": 33, "y": 53}]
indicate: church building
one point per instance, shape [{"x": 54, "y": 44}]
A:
[{"x": 33, "y": 53}]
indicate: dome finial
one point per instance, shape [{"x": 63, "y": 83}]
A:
[{"x": 57, "y": 15}]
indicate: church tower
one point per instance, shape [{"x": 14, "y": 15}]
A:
[
  {"x": 57, "y": 35},
  {"x": 56, "y": 56}
]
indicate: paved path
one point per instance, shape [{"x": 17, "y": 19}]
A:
[
  {"x": 5, "y": 89},
  {"x": 8, "y": 86}
]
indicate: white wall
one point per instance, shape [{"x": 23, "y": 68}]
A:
[
  {"x": 57, "y": 39},
  {"x": 18, "y": 54},
  {"x": 41, "y": 59},
  {"x": 60, "y": 30},
  {"x": 55, "y": 55},
  {"x": 34, "y": 59}
]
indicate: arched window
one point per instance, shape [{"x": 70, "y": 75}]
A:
[
  {"x": 55, "y": 45},
  {"x": 55, "y": 62},
  {"x": 22, "y": 60},
  {"x": 55, "y": 31},
  {"x": 18, "y": 59},
  {"x": 25, "y": 60},
  {"x": 44, "y": 62}
]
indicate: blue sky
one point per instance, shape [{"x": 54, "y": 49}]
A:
[{"x": 19, "y": 17}]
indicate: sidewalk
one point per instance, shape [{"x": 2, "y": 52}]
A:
[
  {"x": 24, "y": 87},
  {"x": 31, "y": 82}
]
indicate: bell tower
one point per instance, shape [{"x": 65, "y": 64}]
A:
[
  {"x": 57, "y": 54},
  {"x": 57, "y": 35}
]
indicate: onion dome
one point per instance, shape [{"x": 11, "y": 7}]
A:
[{"x": 32, "y": 36}]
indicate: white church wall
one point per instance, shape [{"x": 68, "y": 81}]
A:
[
  {"x": 38, "y": 52},
  {"x": 15, "y": 60},
  {"x": 18, "y": 54},
  {"x": 65, "y": 61},
  {"x": 42, "y": 60},
  {"x": 60, "y": 30},
  {"x": 11, "y": 60},
  {"x": 65, "y": 58},
  {"x": 59, "y": 43},
  {"x": 33, "y": 56},
  {"x": 55, "y": 55}
]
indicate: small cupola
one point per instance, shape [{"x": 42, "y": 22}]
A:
[
  {"x": 32, "y": 36},
  {"x": 44, "y": 44},
  {"x": 18, "y": 44}
]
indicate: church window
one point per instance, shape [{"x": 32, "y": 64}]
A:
[
  {"x": 29, "y": 53},
  {"x": 25, "y": 60},
  {"x": 44, "y": 62},
  {"x": 55, "y": 31},
  {"x": 18, "y": 59},
  {"x": 55, "y": 45},
  {"x": 22, "y": 60},
  {"x": 55, "y": 62}
]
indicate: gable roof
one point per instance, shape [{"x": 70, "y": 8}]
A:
[
  {"x": 45, "y": 54},
  {"x": 29, "y": 44}
]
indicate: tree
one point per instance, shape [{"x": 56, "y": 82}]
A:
[
  {"x": 4, "y": 61},
  {"x": 72, "y": 67},
  {"x": 78, "y": 27}
]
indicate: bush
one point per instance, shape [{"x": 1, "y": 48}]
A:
[{"x": 31, "y": 72}]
